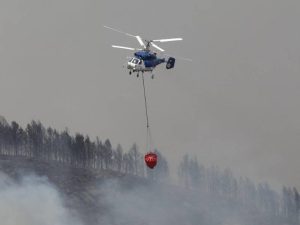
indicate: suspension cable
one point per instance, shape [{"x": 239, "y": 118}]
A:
[
  {"x": 146, "y": 108},
  {"x": 148, "y": 138}
]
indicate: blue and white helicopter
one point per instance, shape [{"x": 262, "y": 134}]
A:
[{"x": 145, "y": 60}]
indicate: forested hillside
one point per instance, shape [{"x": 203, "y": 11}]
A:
[
  {"x": 204, "y": 195},
  {"x": 47, "y": 144}
]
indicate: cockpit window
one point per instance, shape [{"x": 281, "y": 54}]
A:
[{"x": 135, "y": 61}]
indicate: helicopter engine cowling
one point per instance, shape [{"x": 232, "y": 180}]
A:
[
  {"x": 170, "y": 63},
  {"x": 153, "y": 63}
]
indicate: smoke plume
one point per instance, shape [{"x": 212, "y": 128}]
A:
[{"x": 32, "y": 200}]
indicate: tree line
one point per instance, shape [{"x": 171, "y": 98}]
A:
[
  {"x": 258, "y": 202},
  {"x": 48, "y": 144}
]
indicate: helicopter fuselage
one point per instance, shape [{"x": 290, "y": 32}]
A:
[{"x": 144, "y": 61}]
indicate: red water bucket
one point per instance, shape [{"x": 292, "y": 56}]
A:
[{"x": 151, "y": 160}]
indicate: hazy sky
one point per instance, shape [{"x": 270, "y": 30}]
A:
[{"x": 236, "y": 105}]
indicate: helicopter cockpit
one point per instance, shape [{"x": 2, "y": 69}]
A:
[{"x": 134, "y": 63}]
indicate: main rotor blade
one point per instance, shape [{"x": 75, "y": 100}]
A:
[
  {"x": 157, "y": 47},
  {"x": 122, "y": 32},
  {"x": 140, "y": 41},
  {"x": 123, "y": 47},
  {"x": 167, "y": 40}
]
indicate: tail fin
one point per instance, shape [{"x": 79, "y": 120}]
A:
[{"x": 170, "y": 63}]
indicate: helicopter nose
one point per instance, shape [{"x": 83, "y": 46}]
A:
[{"x": 130, "y": 66}]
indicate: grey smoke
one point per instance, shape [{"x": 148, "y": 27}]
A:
[
  {"x": 32, "y": 201},
  {"x": 153, "y": 203}
]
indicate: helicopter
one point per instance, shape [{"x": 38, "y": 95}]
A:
[{"x": 144, "y": 59}]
